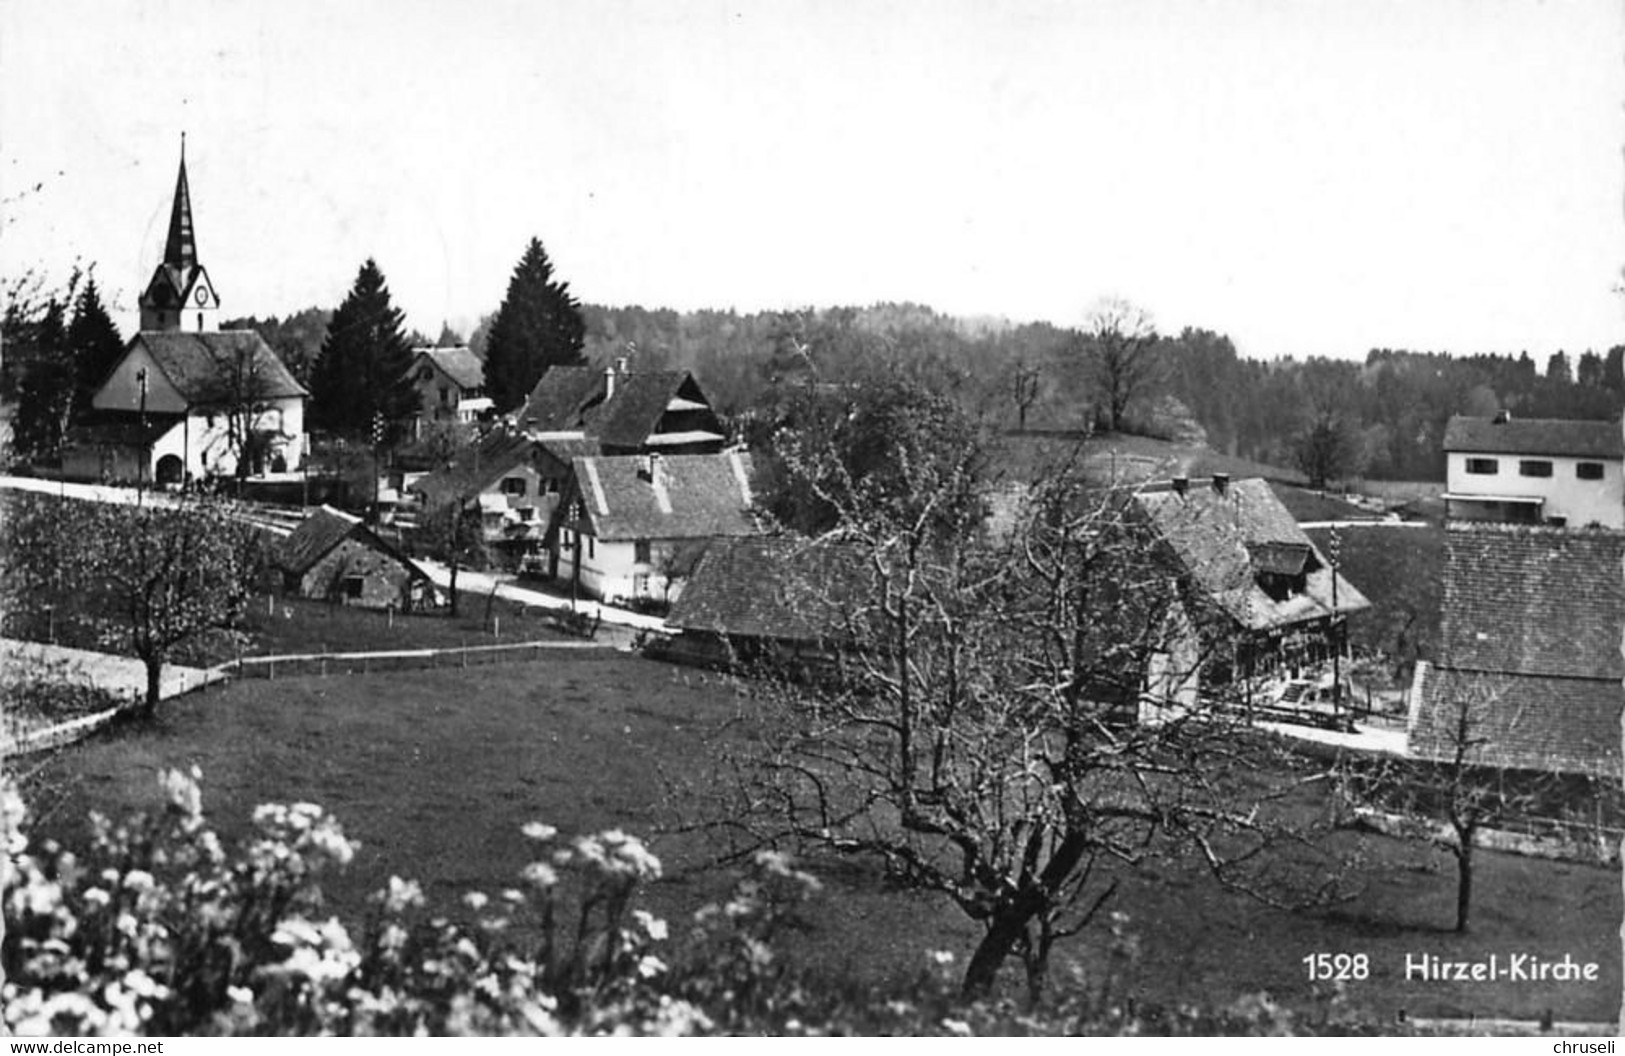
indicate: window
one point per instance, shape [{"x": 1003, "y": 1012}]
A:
[
  {"x": 1485, "y": 466},
  {"x": 445, "y": 396},
  {"x": 353, "y": 586},
  {"x": 513, "y": 486},
  {"x": 1588, "y": 470},
  {"x": 527, "y": 513},
  {"x": 425, "y": 373},
  {"x": 640, "y": 551},
  {"x": 591, "y": 546},
  {"x": 640, "y": 585},
  {"x": 567, "y": 539},
  {"x": 1534, "y": 467}
]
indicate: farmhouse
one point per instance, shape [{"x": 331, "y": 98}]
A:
[
  {"x": 1535, "y": 470},
  {"x": 631, "y": 526},
  {"x": 335, "y": 557},
  {"x": 1241, "y": 549},
  {"x": 625, "y": 412},
  {"x": 450, "y": 383},
  {"x": 1528, "y": 672},
  {"x": 188, "y": 400}
]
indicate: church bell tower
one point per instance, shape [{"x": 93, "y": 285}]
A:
[{"x": 180, "y": 296}]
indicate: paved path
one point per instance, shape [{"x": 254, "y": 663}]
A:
[{"x": 480, "y": 583}]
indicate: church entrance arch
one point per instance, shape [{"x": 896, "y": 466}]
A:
[{"x": 170, "y": 471}]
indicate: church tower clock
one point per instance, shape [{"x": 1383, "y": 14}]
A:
[{"x": 180, "y": 296}]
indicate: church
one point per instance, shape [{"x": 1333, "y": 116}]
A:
[{"x": 188, "y": 400}]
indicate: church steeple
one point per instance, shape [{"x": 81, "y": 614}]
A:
[
  {"x": 180, "y": 295},
  {"x": 181, "y": 249}
]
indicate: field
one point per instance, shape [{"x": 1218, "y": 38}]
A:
[
  {"x": 435, "y": 771},
  {"x": 1399, "y": 570}
]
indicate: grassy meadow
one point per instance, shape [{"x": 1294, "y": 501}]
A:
[{"x": 435, "y": 771}]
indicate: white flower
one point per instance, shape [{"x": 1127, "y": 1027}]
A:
[
  {"x": 535, "y": 830},
  {"x": 650, "y": 966},
  {"x": 95, "y": 896},
  {"x": 956, "y": 1026},
  {"x": 139, "y": 880},
  {"x": 652, "y": 925},
  {"x": 401, "y": 895},
  {"x": 539, "y": 875},
  {"x": 476, "y": 900}
]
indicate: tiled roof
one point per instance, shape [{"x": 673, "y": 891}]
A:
[
  {"x": 685, "y": 497},
  {"x": 321, "y": 532},
  {"x": 476, "y": 468},
  {"x": 1518, "y": 721},
  {"x": 199, "y": 365},
  {"x": 568, "y": 398},
  {"x": 779, "y": 587},
  {"x": 1535, "y": 436},
  {"x": 459, "y": 364},
  {"x": 561, "y": 397},
  {"x": 1533, "y": 600},
  {"x": 1531, "y": 638},
  {"x": 1224, "y": 540}
]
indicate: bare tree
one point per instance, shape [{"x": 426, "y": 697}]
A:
[
  {"x": 241, "y": 393},
  {"x": 454, "y": 532},
  {"x": 995, "y": 736},
  {"x": 1121, "y": 348},
  {"x": 1461, "y": 789},
  {"x": 1024, "y": 390}
]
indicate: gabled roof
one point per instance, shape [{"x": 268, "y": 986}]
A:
[
  {"x": 568, "y": 398},
  {"x": 200, "y": 365},
  {"x": 1225, "y": 540},
  {"x": 1535, "y": 436},
  {"x": 1532, "y": 600},
  {"x": 1531, "y": 646},
  {"x": 476, "y": 467},
  {"x": 459, "y": 364},
  {"x": 325, "y": 529},
  {"x": 781, "y": 587},
  {"x": 666, "y": 496}
]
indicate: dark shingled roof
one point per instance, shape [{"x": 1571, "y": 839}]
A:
[
  {"x": 1535, "y": 436},
  {"x": 1532, "y": 624},
  {"x": 572, "y": 398},
  {"x": 1534, "y": 600},
  {"x": 1225, "y": 540},
  {"x": 475, "y": 468},
  {"x": 781, "y": 587},
  {"x": 324, "y": 529},
  {"x": 690, "y": 496},
  {"x": 199, "y": 364},
  {"x": 459, "y": 364}
]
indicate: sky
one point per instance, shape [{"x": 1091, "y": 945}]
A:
[{"x": 1308, "y": 178}]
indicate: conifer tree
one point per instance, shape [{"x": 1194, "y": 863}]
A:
[
  {"x": 95, "y": 344},
  {"x": 46, "y": 390},
  {"x": 361, "y": 375},
  {"x": 538, "y": 326}
]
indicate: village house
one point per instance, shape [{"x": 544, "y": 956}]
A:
[
  {"x": 188, "y": 400},
  {"x": 629, "y": 527},
  {"x": 1250, "y": 562},
  {"x": 451, "y": 385},
  {"x": 625, "y": 412},
  {"x": 1535, "y": 470},
  {"x": 1528, "y": 670},
  {"x": 335, "y": 557}
]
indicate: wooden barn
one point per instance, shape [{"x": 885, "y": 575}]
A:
[{"x": 335, "y": 557}]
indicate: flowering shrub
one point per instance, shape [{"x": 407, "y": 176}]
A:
[{"x": 158, "y": 929}]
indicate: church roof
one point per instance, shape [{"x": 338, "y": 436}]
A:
[
  {"x": 200, "y": 365},
  {"x": 180, "y": 250}
]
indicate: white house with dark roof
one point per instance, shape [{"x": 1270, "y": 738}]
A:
[
  {"x": 1535, "y": 470},
  {"x": 450, "y": 384},
  {"x": 188, "y": 400},
  {"x": 631, "y": 526},
  {"x": 1528, "y": 669}
]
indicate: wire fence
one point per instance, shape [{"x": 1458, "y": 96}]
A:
[{"x": 323, "y": 664}]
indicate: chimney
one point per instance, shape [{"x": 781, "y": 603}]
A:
[
  {"x": 1180, "y": 485},
  {"x": 609, "y": 382},
  {"x": 1221, "y": 481}
]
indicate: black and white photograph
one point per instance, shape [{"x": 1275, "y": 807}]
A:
[{"x": 811, "y": 518}]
